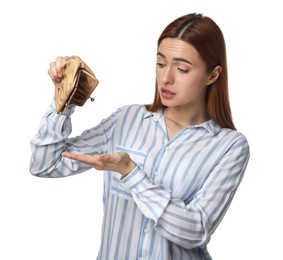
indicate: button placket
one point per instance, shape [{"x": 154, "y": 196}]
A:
[{"x": 146, "y": 231}]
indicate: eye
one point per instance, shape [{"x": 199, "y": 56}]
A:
[
  {"x": 183, "y": 70},
  {"x": 160, "y": 65}
]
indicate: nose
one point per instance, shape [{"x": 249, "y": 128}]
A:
[{"x": 168, "y": 75}]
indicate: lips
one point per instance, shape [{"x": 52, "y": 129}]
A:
[{"x": 167, "y": 94}]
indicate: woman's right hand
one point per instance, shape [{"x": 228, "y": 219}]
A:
[{"x": 56, "y": 68}]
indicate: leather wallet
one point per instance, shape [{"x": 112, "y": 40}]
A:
[{"x": 77, "y": 84}]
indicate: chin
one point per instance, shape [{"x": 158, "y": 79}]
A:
[{"x": 167, "y": 103}]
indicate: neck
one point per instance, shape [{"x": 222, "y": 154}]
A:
[{"x": 186, "y": 117}]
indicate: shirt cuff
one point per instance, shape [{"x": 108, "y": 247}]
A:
[
  {"x": 67, "y": 111},
  {"x": 150, "y": 198},
  {"x": 137, "y": 180}
]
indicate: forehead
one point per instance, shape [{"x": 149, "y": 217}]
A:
[{"x": 173, "y": 47}]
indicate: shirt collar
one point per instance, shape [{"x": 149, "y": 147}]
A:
[{"x": 209, "y": 125}]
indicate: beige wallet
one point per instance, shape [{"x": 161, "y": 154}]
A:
[{"x": 77, "y": 84}]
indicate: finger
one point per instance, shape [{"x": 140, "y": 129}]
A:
[
  {"x": 79, "y": 157},
  {"x": 84, "y": 158},
  {"x": 110, "y": 158},
  {"x": 104, "y": 158},
  {"x": 53, "y": 73},
  {"x": 66, "y": 58},
  {"x": 60, "y": 64}
]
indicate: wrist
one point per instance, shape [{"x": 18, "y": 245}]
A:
[{"x": 130, "y": 166}]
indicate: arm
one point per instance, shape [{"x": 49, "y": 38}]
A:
[
  {"x": 53, "y": 139},
  {"x": 49, "y": 142},
  {"x": 190, "y": 225}
]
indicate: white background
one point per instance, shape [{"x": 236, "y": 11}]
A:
[{"x": 61, "y": 218}]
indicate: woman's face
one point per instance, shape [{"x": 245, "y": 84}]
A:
[{"x": 181, "y": 74}]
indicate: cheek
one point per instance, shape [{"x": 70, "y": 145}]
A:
[
  {"x": 193, "y": 86},
  {"x": 157, "y": 73},
  {"x": 158, "y": 77}
]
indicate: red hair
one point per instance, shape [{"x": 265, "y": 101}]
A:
[{"x": 206, "y": 37}]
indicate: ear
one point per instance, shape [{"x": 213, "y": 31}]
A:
[{"x": 213, "y": 76}]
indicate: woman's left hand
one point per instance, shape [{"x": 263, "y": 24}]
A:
[{"x": 117, "y": 162}]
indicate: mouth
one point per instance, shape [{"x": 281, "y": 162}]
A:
[{"x": 167, "y": 94}]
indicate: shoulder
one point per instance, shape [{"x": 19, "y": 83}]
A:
[
  {"x": 132, "y": 110},
  {"x": 224, "y": 135},
  {"x": 233, "y": 134},
  {"x": 233, "y": 139}
]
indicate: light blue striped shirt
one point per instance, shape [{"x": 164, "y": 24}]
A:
[{"x": 171, "y": 203}]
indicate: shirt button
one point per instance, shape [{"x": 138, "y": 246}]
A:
[
  {"x": 146, "y": 231},
  {"x": 167, "y": 148}
]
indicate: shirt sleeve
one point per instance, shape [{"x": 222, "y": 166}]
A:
[
  {"x": 52, "y": 139},
  {"x": 191, "y": 225}
]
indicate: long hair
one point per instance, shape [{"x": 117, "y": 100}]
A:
[{"x": 206, "y": 37}]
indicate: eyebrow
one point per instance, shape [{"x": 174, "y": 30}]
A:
[{"x": 175, "y": 58}]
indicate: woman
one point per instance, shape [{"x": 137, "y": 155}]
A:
[{"x": 171, "y": 167}]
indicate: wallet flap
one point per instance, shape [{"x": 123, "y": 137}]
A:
[{"x": 86, "y": 84}]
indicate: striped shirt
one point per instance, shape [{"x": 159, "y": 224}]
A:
[{"x": 171, "y": 203}]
